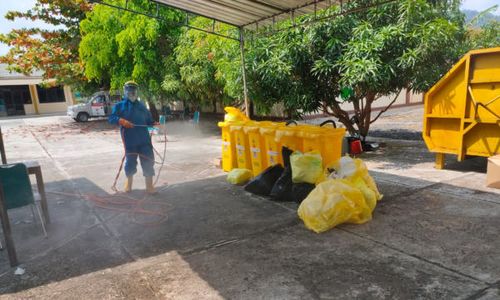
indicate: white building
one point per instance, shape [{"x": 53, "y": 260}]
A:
[{"x": 23, "y": 95}]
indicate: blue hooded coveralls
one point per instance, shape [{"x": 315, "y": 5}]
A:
[{"x": 137, "y": 139}]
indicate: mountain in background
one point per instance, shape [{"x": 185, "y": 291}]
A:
[{"x": 470, "y": 14}]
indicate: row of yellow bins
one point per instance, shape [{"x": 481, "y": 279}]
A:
[{"x": 257, "y": 145}]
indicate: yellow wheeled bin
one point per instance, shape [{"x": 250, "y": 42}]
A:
[
  {"x": 288, "y": 136},
  {"x": 462, "y": 110},
  {"x": 256, "y": 143},
  {"x": 234, "y": 114},
  {"x": 325, "y": 140},
  {"x": 271, "y": 146},
  {"x": 243, "y": 159},
  {"x": 228, "y": 147}
]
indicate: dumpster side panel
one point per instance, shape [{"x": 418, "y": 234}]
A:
[
  {"x": 450, "y": 99},
  {"x": 444, "y": 106},
  {"x": 485, "y": 67},
  {"x": 462, "y": 110},
  {"x": 483, "y": 140},
  {"x": 484, "y": 93},
  {"x": 445, "y": 135}
]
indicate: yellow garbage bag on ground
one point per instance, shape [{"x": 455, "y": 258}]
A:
[
  {"x": 333, "y": 202},
  {"x": 354, "y": 170},
  {"x": 233, "y": 114},
  {"x": 306, "y": 167},
  {"x": 347, "y": 194},
  {"x": 239, "y": 176}
]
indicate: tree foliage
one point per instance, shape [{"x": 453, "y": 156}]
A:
[
  {"x": 208, "y": 66},
  {"x": 52, "y": 51},
  {"x": 375, "y": 52},
  {"x": 118, "y": 46},
  {"x": 371, "y": 52},
  {"x": 484, "y": 37}
]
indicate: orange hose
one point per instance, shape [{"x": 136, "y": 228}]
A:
[{"x": 133, "y": 207}]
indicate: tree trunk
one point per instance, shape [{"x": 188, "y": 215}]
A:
[
  {"x": 252, "y": 110},
  {"x": 341, "y": 115},
  {"x": 364, "y": 122},
  {"x": 153, "y": 110}
]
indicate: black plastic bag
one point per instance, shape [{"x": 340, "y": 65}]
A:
[
  {"x": 300, "y": 191},
  {"x": 285, "y": 152},
  {"x": 282, "y": 189},
  {"x": 264, "y": 182}
]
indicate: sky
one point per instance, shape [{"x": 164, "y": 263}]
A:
[{"x": 23, "y": 5}]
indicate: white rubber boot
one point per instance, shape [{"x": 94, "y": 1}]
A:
[
  {"x": 150, "y": 189},
  {"x": 128, "y": 184}
]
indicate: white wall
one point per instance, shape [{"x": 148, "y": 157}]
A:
[
  {"x": 20, "y": 81},
  {"x": 381, "y": 102},
  {"x": 416, "y": 97},
  {"x": 47, "y": 108},
  {"x": 29, "y": 109}
]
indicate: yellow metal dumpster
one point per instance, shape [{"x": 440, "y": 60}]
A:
[{"x": 462, "y": 110}]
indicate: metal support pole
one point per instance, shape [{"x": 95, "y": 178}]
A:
[
  {"x": 9, "y": 241},
  {"x": 243, "y": 72},
  {"x": 2, "y": 148}
]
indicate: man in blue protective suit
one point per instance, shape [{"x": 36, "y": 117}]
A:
[{"x": 133, "y": 118}]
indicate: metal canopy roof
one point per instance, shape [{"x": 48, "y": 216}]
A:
[{"x": 242, "y": 13}]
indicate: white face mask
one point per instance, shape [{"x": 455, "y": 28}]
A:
[{"x": 131, "y": 95}]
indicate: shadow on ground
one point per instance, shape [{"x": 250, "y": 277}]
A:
[
  {"x": 405, "y": 155},
  {"x": 397, "y": 134},
  {"x": 426, "y": 240}
]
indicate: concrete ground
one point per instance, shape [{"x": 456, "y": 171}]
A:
[{"x": 433, "y": 236}]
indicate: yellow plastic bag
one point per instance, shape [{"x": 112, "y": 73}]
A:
[
  {"x": 355, "y": 171},
  {"x": 333, "y": 202},
  {"x": 306, "y": 167},
  {"x": 233, "y": 114},
  {"x": 239, "y": 176}
]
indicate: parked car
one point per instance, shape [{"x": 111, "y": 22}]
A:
[{"x": 99, "y": 105}]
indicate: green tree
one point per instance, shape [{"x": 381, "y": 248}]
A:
[
  {"x": 52, "y": 51},
  {"x": 118, "y": 46},
  {"x": 208, "y": 67},
  {"x": 484, "y": 37},
  {"x": 375, "y": 52}
]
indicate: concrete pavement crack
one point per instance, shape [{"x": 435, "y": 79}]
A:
[
  {"x": 413, "y": 255},
  {"x": 480, "y": 293},
  {"x": 259, "y": 233}
]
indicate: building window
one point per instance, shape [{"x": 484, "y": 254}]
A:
[
  {"x": 50, "y": 95},
  {"x": 26, "y": 96},
  {"x": 13, "y": 98}
]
